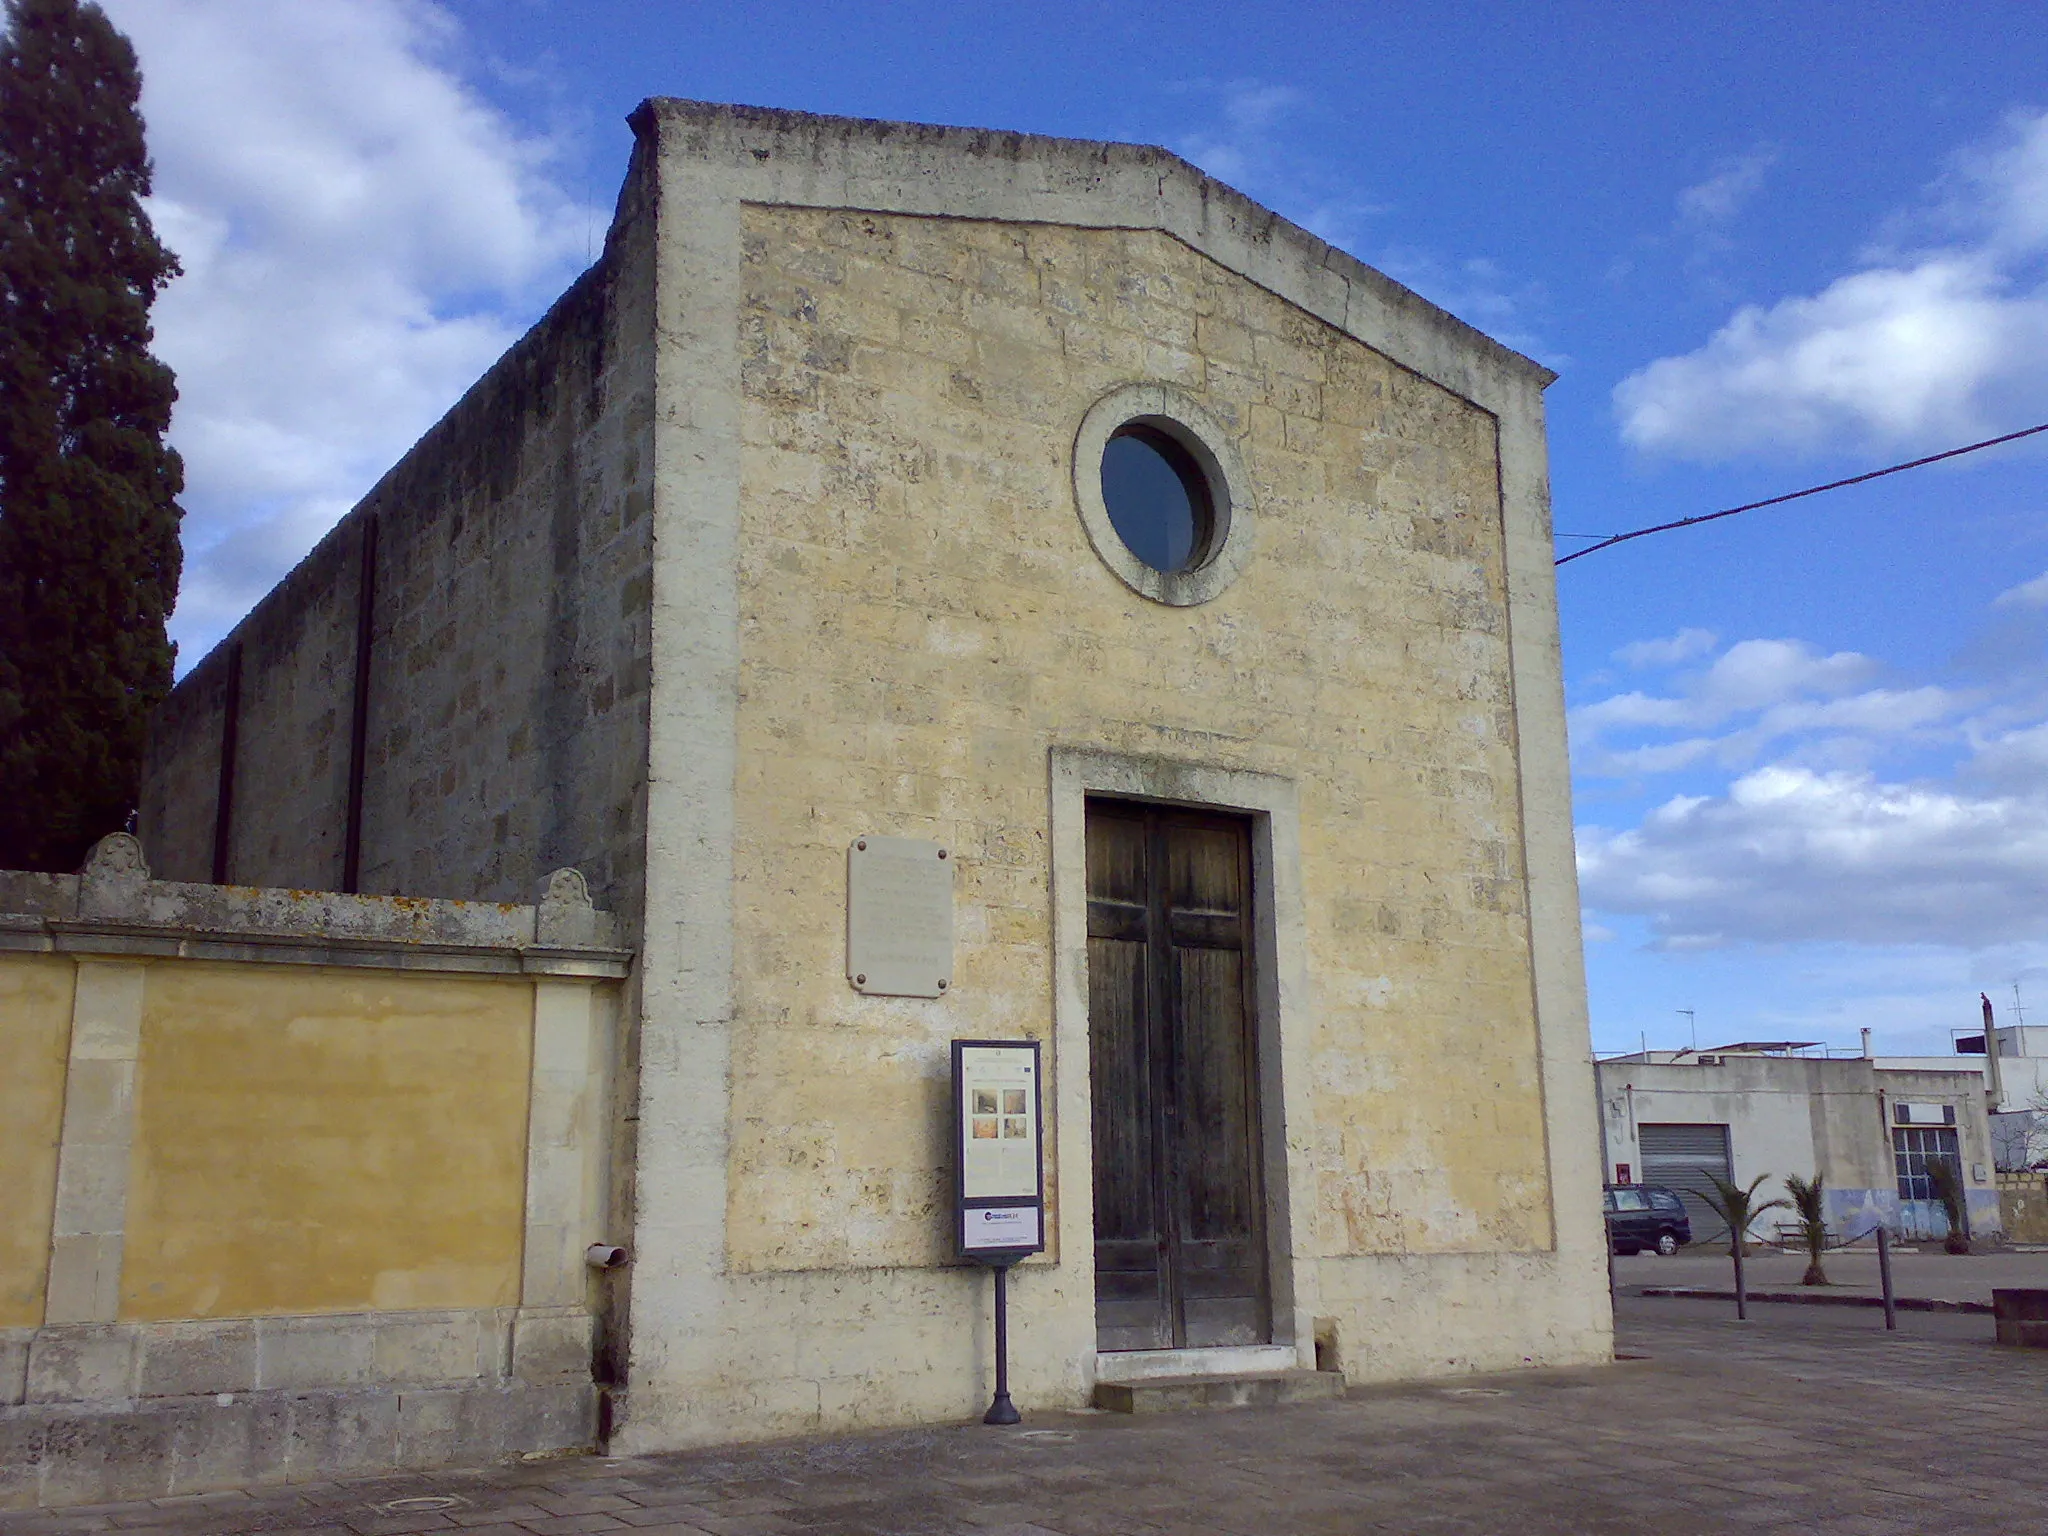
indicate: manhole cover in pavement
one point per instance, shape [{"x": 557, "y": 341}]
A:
[
  {"x": 426, "y": 1504},
  {"x": 1053, "y": 1435},
  {"x": 1475, "y": 1392}
]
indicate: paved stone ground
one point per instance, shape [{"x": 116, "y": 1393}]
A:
[
  {"x": 1813, "y": 1420},
  {"x": 1852, "y": 1271}
]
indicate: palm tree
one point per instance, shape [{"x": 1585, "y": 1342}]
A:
[
  {"x": 1808, "y": 1200},
  {"x": 1738, "y": 1207}
]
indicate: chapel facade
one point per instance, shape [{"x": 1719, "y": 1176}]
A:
[{"x": 1186, "y": 581}]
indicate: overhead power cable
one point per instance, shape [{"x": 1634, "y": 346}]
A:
[{"x": 1811, "y": 490}]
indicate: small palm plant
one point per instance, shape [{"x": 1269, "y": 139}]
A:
[
  {"x": 1740, "y": 1208},
  {"x": 1947, "y": 1178},
  {"x": 1809, "y": 1201}
]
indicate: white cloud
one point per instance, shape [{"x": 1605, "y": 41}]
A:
[
  {"x": 1256, "y": 144},
  {"x": 1721, "y": 196},
  {"x": 1669, "y": 652},
  {"x": 2028, "y": 594},
  {"x": 1827, "y": 710},
  {"x": 1249, "y": 147},
  {"x": 2016, "y": 759},
  {"x": 1479, "y": 292},
  {"x": 1785, "y": 685},
  {"x": 1818, "y": 845},
  {"x": 362, "y": 235},
  {"x": 1242, "y": 147},
  {"x": 1790, "y": 855},
  {"x": 1931, "y": 345}
]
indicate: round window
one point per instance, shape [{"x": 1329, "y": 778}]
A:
[
  {"x": 1157, "y": 498},
  {"x": 1162, "y": 494}
]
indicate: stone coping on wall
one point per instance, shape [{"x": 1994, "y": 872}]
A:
[
  {"x": 817, "y": 160},
  {"x": 114, "y": 907}
]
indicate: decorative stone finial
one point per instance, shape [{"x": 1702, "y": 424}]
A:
[
  {"x": 564, "y": 916},
  {"x": 114, "y": 878}
]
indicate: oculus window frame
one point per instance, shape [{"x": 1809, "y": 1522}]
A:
[{"x": 1150, "y": 411}]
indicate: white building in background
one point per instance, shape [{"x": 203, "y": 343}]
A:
[
  {"x": 1869, "y": 1127},
  {"x": 2016, "y": 1093}
]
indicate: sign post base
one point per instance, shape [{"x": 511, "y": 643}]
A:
[{"x": 1002, "y": 1410}]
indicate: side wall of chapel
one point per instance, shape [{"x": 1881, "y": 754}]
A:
[{"x": 507, "y": 666}]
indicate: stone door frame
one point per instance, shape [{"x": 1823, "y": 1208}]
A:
[{"x": 1284, "y": 1016}]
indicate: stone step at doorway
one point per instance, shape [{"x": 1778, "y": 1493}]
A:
[
  {"x": 1262, "y": 1389},
  {"x": 1232, "y": 1376}
]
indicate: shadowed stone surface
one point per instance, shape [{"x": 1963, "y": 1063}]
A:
[
  {"x": 1175, "y": 1394},
  {"x": 1812, "y": 1421}
]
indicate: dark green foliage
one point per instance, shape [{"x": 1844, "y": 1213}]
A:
[
  {"x": 1947, "y": 1178},
  {"x": 89, "y": 554},
  {"x": 1810, "y": 1201}
]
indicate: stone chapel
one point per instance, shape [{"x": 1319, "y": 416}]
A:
[{"x": 1187, "y": 581}]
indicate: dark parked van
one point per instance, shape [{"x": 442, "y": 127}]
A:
[{"x": 1643, "y": 1216}]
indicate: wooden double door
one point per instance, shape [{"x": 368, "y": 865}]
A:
[{"x": 1180, "y": 1247}]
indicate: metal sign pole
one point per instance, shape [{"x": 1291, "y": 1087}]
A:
[
  {"x": 1884, "y": 1277},
  {"x": 999, "y": 1175},
  {"x": 1002, "y": 1410}
]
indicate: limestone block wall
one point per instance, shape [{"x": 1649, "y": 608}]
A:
[
  {"x": 924, "y": 619},
  {"x": 181, "y": 780},
  {"x": 505, "y": 680},
  {"x": 2023, "y": 1206},
  {"x": 877, "y": 610},
  {"x": 293, "y": 1195}
]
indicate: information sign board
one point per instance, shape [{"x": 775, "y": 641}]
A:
[{"x": 999, "y": 1163}]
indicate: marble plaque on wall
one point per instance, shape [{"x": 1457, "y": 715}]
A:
[{"x": 899, "y": 917}]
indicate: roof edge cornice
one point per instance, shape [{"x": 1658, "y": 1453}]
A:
[{"x": 819, "y": 160}]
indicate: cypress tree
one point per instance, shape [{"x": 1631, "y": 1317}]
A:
[{"x": 89, "y": 555}]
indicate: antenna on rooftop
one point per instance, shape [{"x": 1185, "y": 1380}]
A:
[{"x": 1692, "y": 1026}]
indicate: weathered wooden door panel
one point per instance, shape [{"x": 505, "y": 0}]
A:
[
  {"x": 1179, "y": 1195},
  {"x": 1131, "y": 1300}
]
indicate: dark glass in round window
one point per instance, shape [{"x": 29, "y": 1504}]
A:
[{"x": 1157, "y": 498}]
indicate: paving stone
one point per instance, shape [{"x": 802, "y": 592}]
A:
[{"x": 1774, "y": 1426}]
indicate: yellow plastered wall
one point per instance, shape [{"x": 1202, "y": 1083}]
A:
[
  {"x": 35, "y": 1040},
  {"x": 924, "y": 618},
  {"x": 326, "y": 1141}
]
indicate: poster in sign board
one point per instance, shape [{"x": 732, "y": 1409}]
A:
[{"x": 999, "y": 1161}]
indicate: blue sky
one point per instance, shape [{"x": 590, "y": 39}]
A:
[{"x": 1762, "y": 248}]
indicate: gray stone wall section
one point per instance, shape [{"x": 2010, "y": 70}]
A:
[
  {"x": 292, "y": 750},
  {"x": 509, "y": 657},
  {"x": 127, "y": 1411},
  {"x": 181, "y": 780}
]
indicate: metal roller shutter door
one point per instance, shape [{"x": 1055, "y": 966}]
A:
[{"x": 1680, "y": 1157}]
